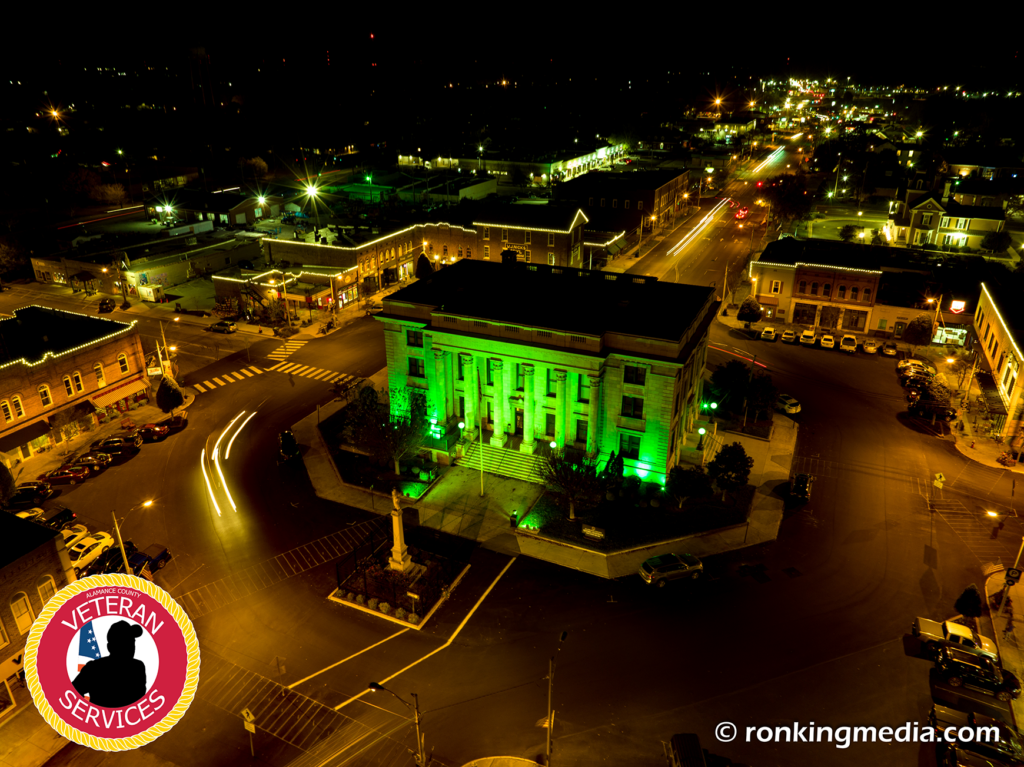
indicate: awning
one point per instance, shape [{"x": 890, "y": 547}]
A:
[
  {"x": 112, "y": 394},
  {"x": 18, "y": 437},
  {"x": 768, "y": 300},
  {"x": 84, "y": 277},
  {"x": 990, "y": 392}
]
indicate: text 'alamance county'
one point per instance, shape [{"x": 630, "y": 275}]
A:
[{"x": 113, "y": 606}]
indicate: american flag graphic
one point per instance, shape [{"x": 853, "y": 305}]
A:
[{"x": 88, "y": 647}]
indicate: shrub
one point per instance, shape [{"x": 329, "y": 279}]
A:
[
  {"x": 360, "y": 599},
  {"x": 384, "y": 607},
  {"x": 400, "y": 613},
  {"x": 372, "y": 604},
  {"x": 414, "y": 619}
]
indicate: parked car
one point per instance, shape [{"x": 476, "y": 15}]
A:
[
  {"x": 73, "y": 535},
  {"x": 889, "y": 350},
  {"x": 800, "y": 487},
  {"x": 85, "y": 552},
  {"x": 924, "y": 409},
  {"x": 129, "y": 443},
  {"x": 110, "y": 560},
  {"x": 57, "y": 517},
  {"x": 787, "y": 404},
  {"x": 768, "y": 334},
  {"x": 32, "y": 514},
  {"x": 224, "y": 326},
  {"x": 95, "y": 462},
  {"x": 657, "y": 571},
  {"x": 28, "y": 494},
  {"x": 788, "y": 337},
  {"x": 154, "y": 557},
  {"x": 960, "y": 668},
  {"x": 918, "y": 382},
  {"x": 807, "y": 338},
  {"x": 66, "y": 475},
  {"x": 106, "y": 305},
  {"x": 828, "y": 342},
  {"x": 1007, "y": 748},
  {"x": 935, "y": 635},
  {"x": 904, "y": 365},
  {"x": 848, "y": 344},
  {"x": 869, "y": 346},
  {"x": 153, "y": 432}
]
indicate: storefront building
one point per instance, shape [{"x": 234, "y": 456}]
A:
[{"x": 998, "y": 328}]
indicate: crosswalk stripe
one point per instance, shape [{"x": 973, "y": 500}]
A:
[
  {"x": 219, "y": 382},
  {"x": 279, "y": 364},
  {"x": 256, "y": 370},
  {"x": 333, "y": 378},
  {"x": 209, "y": 385},
  {"x": 289, "y": 368},
  {"x": 321, "y": 374},
  {"x": 199, "y": 388},
  {"x": 248, "y": 374},
  {"x": 239, "y": 376},
  {"x": 300, "y": 370}
]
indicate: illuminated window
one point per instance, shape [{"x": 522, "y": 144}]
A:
[
  {"x": 615, "y": 203},
  {"x": 4, "y": 639},
  {"x": 487, "y": 232},
  {"x": 583, "y": 388},
  {"x": 581, "y": 431},
  {"x": 98, "y": 370},
  {"x": 19, "y": 410},
  {"x": 46, "y": 588},
  {"x": 602, "y": 202},
  {"x": 44, "y": 395},
  {"x": 122, "y": 360},
  {"x": 640, "y": 205},
  {"x": 68, "y": 387},
  {"x": 76, "y": 378},
  {"x": 551, "y": 259},
  {"x": 629, "y": 446},
  {"x": 487, "y": 252},
  {"x": 22, "y": 611},
  {"x": 6, "y": 409},
  {"x": 504, "y": 235},
  {"x": 527, "y": 240},
  {"x": 520, "y": 377},
  {"x": 776, "y": 287}
]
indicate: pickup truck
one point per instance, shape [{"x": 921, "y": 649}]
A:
[
  {"x": 935, "y": 635},
  {"x": 155, "y": 556}
]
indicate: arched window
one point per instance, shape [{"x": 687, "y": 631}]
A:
[
  {"x": 867, "y": 294},
  {"x": 842, "y": 291},
  {"x": 853, "y": 293},
  {"x": 76, "y": 379},
  {"x": 46, "y": 588},
  {"x": 98, "y": 370},
  {"x": 19, "y": 409},
  {"x": 827, "y": 290},
  {"x": 122, "y": 360},
  {"x": 68, "y": 387},
  {"x": 44, "y": 395},
  {"x": 814, "y": 288},
  {"x": 5, "y": 407},
  {"x": 803, "y": 286},
  {"x": 22, "y": 611}
]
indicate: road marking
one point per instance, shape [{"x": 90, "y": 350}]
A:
[
  {"x": 248, "y": 374},
  {"x": 289, "y": 368},
  {"x": 346, "y": 660},
  {"x": 199, "y": 387},
  {"x": 275, "y": 367},
  {"x": 220, "y": 382},
  {"x": 256, "y": 370},
  {"x": 451, "y": 639},
  {"x": 323, "y": 374},
  {"x": 209, "y": 385},
  {"x": 239, "y": 376},
  {"x": 300, "y": 370}
]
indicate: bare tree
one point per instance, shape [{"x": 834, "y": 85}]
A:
[
  {"x": 112, "y": 194},
  {"x": 65, "y": 423},
  {"x": 572, "y": 475}
]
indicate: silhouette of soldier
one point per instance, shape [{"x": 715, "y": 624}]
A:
[{"x": 118, "y": 679}]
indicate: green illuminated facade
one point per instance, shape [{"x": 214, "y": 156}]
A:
[{"x": 527, "y": 354}]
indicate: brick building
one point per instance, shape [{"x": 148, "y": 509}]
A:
[
  {"x": 34, "y": 566},
  {"x": 525, "y": 354},
  {"x": 617, "y": 201},
  {"x": 54, "y": 362},
  {"x": 999, "y": 330}
]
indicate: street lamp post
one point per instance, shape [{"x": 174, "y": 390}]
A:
[
  {"x": 420, "y": 753},
  {"x": 700, "y": 444},
  {"x": 551, "y": 688},
  {"x": 284, "y": 293},
  {"x": 117, "y": 531}
]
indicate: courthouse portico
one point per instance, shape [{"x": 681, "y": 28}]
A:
[{"x": 527, "y": 354}]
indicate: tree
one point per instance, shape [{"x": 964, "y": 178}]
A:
[
  {"x": 112, "y": 194},
  {"x": 848, "y": 232},
  {"x": 918, "y": 331},
  {"x": 169, "y": 396},
  {"x": 997, "y": 242},
  {"x": 388, "y": 428},
  {"x": 6, "y": 484},
  {"x": 259, "y": 166},
  {"x": 517, "y": 177},
  {"x": 969, "y": 603},
  {"x": 761, "y": 394},
  {"x": 65, "y": 423},
  {"x": 573, "y": 476},
  {"x": 731, "y": 468},
  {"x": 11, "y": 257},
  {"x": 788, "y": 196},
  {"x": 423, "y": 267},
  {"x": 730, "y": 381},
  {"x": 750, "y": 310},
  {"x": 692, "y": 482},
  {"x": 79, "y": 183}
]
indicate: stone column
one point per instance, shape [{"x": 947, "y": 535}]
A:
[
  {"x": 449, "y": 386},
  {"x": 592, "y": 414},
  {"x": 560, "y": 376},
  {"x": 400, "y": 558},
  {"x": 470, "y": 392},
  {"x": 529, "y": 414},
  {"x": 437, "y": 389},
  {"x": 498, "y": 437}
]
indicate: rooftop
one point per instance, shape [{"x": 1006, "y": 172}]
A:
[
  {"x": 35, "y": 333},
  {"x": 21, "y": 537},
  {"x": 545, "y": 217},
  {"x": 561, "y": 298}
]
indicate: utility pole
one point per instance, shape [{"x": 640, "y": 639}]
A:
[
  {"x": 551, "y": 687},
  {"x": 750, "y": 380}
]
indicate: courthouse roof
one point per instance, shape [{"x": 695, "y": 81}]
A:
[
  {"x": 561, "y": 298},
  {"x": 34, "y": 333}
]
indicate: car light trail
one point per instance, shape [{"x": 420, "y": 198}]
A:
[
  {"x": 771, "y": 158},
  {"x": 227, "y": 453},
  {"x": 699, "y": 228},
  {"x": 734, "y": 354},
  {"x": 209, "y": 487},
  {"x": 216, "y": 461}
]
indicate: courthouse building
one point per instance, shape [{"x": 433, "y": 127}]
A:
[{"x": 525, "y": 354}]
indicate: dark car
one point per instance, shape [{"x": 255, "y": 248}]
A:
[
  {"x": 920, "y": 383},
  {"x": 224, "y": 326},
  {"x": 1008, "y": 749},
  {"x": 800, "y": 487},
  {"x": 29, "y": 494},
  {"x": 111, "y": 560},
  {"x": 153, "y": 432},
  {"x": 66, "y": 475},
  {"x": 58, "y": 517},
  {"x": 657, "y": 571},
  {"x": 118, "y": 445},
  {"x": 975, "y": 672},
  {"x": 93, "y": 461},
  {"x": 928, "y": 410},
  {"x": 106, "y": 305}
]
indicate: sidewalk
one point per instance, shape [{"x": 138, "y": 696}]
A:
[{"x": 1009, "y": 645}]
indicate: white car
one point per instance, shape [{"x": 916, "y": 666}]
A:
[
  {"x": 30, "y": 513},
  {"x": 788, "y": 337},
  {"x": 903, "y": 365},
  {"x": 848, "y": 344},
  {"x": 86, "y": 550},
  {"x": 787, "y": 404},
  {"x": 768, "y": 334},
  {"x": 73, "y": 535},
  {"x": 807, "y": 338},
  {"x": 869, "y": 346},
  {"x": 828, "y": 342}
]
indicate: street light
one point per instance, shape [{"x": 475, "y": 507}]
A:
[
  {"x": 312, "y": 192},
  {"x": 117, "y": 530},
  {"x": 700, "y": 444},
  {"x": 420, "y": 753}
]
